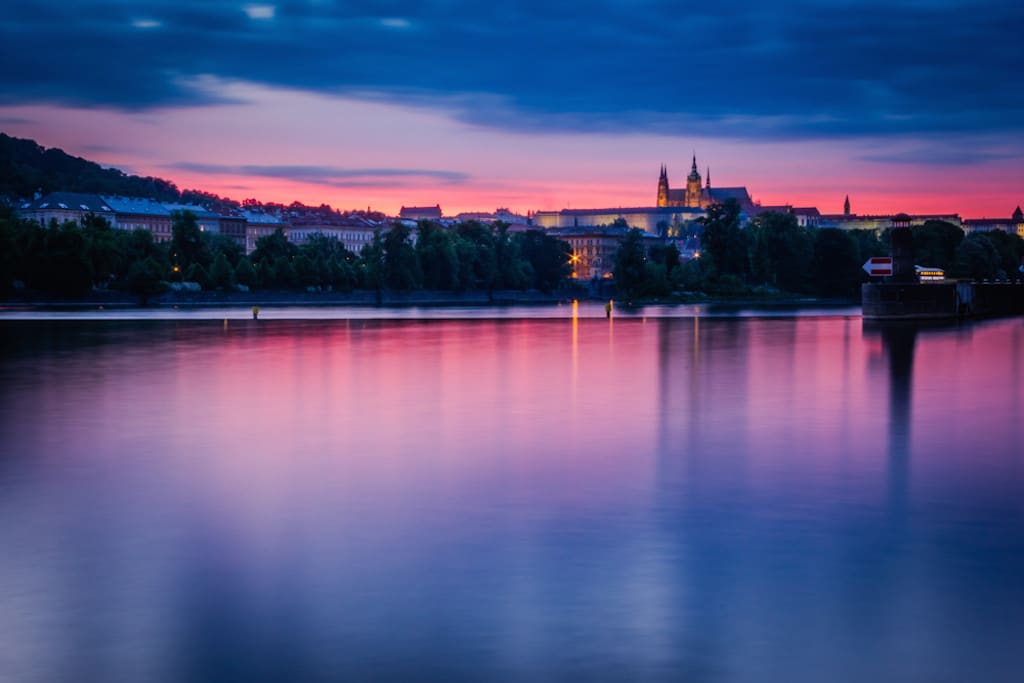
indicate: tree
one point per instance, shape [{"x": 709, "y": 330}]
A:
[
  {"x": 935, "y": 244},
  {"x": 371, "y": 263},
  {"x": 401, "y": 270},
  {"x": 1009, "y": 250},
  {"x": 871, "y": 243},
  {"x": 836, "y": 267},
  {"x": 273, "y": 247},
  {"x": 976, "y": 258},
  {"x": 285, "y": 272},
  {"x": 245, "y": 274},
  {"x": 342, "y": 274},
  {"x": 781, "y": 251},
  {"x": 439, "y": 262},
  {"x": 513, "y": 270},
  {"x": 62, "y": 266},
  {"x": 187, "y": 246},
  {"x": 722, "y": 238},
  {"x": 9, "y": 248},
  {"x": 306, "y": 271},
  {"x": 474, "y": 245},
  {"x": 144, "y": 279},
  {"x": 222, "y": 276},
  {"x": 103, "y": 248},
  {"x": 548, "y": 258},
  {"x": 196, "y": 273},
  {"x": 630, "y": 268},
  {"x": 224, "y": 244}
]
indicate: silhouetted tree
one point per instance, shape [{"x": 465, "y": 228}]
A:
[
  {"x": 630, "y": 268},
  {"x": 935, "y": 244},
  {"x": 548, "y": 258},
  {"x": 780, "y": 251},
  {"x": 187, "y": 246},
  {"x": 401, "y": 269},
  {"x": 836, "y": 267},
  {"x": 722, "y": 238}
]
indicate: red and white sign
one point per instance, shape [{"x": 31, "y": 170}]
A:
[{"x": 878, "y": 266}]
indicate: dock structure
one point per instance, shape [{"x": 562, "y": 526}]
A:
[
  {"x": 903, "y": 296},
  {"x": 941, "y": 300}
]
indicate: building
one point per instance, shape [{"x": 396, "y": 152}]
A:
[
  {"x": 514, "y": 220},
  {"x": 420, "y": 213},
  {"x": 881, "y": 222},
  {"x": 260, "y": 224},
  {"x": 806, "y": 216},
  {"x": 133, "y": 213},
  {"x": 353, "y": 232},
  {"x": 65, "y": 206},
  {"x": 207, "y": 220},
  {"x": 593, "y": 250},
  {"x": 233, "y": 226},
  {"x": 1013, "y": 224},
  {"x": 694, "y": 196},
  {"x": 654, "y": 220}
]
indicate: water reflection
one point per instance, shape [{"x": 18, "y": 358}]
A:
[
  {"x": 898, "y": 344},
  {"x": 711, "y": 499}
]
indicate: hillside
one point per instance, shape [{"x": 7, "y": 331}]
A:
[{"x": 27, "y": 167}]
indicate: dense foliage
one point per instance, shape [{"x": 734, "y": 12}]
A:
[
  {"x": 26, "y": 168},
  {"x": 69, "y": 259},
  {"x": 773, "y": 253}
]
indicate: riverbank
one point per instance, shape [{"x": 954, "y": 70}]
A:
[
  {"x": 421, "y": 298},
  {"x": 119, "y": 299}
]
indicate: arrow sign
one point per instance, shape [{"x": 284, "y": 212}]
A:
[{"x": 878, "y": 266}]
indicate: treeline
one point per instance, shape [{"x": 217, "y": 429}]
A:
[
  {"x": 68, "y": 259},
  {"x": 27, "y": 167},
  {"x": 775, "y": 254}
]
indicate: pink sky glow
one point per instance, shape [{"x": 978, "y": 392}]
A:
[{"x": 388, "y": 155}]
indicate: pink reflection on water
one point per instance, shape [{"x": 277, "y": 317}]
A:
[{"x": 643, "y": 490}]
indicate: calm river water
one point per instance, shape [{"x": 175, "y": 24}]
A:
[{"x": 713, "y": 498}]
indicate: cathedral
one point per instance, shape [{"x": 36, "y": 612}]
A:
[{"x": 694, "y": 195}]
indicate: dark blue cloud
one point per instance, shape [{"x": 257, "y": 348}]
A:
[
  {"x": 792, "y": 68},
  {"x": 327, "y": 175}
]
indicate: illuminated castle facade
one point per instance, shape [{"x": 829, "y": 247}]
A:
[{"x": 696, "y": 196}]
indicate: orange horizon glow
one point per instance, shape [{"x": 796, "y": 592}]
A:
[
  {"x": 454, "y": 201},
  {"x": 436, "y": 159}
]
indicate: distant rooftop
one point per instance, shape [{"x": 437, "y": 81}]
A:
[
  {"x": 72, "y": 201},
  {"x": 420, "y": 211},
  {"x": 635, "y": 209},
  {"x": 137, "y": 205},
  {"x": 260, "y": 217}
]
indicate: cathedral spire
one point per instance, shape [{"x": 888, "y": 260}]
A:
[
  {"x": 694, "y": 168},
  {"x": 707, "y": 178},
  {"x": 846, "y": 206}
]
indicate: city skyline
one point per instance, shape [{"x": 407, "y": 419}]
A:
[{"x": 532, "y": 108}]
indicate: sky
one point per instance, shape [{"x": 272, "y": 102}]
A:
[{"x": 904, "y": 106}]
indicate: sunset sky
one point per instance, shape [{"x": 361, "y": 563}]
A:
[{"x": 916, "y": 106}]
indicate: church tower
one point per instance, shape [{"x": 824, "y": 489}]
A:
[
  {"x": 663, "y": 187},
  {"x": 693, "y": 186},
  {"x": 846, "y": 206}
]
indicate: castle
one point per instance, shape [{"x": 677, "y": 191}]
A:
[{"x": 695, "y": 196}]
